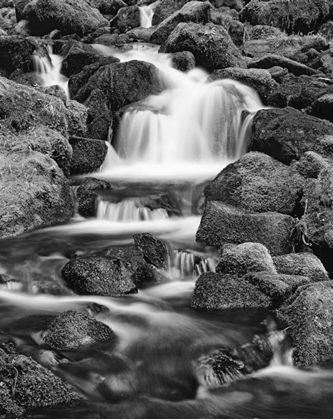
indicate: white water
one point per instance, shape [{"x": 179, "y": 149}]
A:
[
  {"x": 146, "y": 15},
  {"x": 50, "y": 72}
]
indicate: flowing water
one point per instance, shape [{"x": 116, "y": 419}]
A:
[
  {"x": 146, "y": 15},
  {"x": 164, "y": 152}
]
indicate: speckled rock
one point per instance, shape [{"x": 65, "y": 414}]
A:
[
  {"x": 153, "y": 249},
  {"x": 183, "y": 61},
  {"x": 88, "y": 156},
  {"x": 86, "y": 195}
]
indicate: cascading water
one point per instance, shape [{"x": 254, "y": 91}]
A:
[{"x": 146, "y": 15}]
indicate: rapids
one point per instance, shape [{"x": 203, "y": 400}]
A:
[{"x": 172, "y": 145}]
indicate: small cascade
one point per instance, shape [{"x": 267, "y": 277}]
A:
[
  {"x": 187, "y": 265},
  {"x": 282, "y": 350},
  {"x": 146, "y": 15},
  {"x": 205, "y": 265},
  {"x": 49, "y": 71},
  {"x": 128, "y": 211}
]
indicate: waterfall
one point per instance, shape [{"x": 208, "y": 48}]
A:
[
  {"x": 146, "y": 15},
  {"x": 49, "y": 71}
]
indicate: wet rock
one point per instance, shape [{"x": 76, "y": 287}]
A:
[
  {"x": 309, "y": 316},
  {"x": 211, "y": 45},
  {"x": 259, "y": 80},
  {"x": 271, "y": 60},
  {"x": 241, "y": 259},
  {"x": 88, "y": 155},
  {"x": 226, "y": 365},
  {"x": 222, "y": 224},
  {"x": 99, "y": 276},
  {"x": 301, "y": 264},
  {"x": 257, "y": 183},
  {"x": 23, "y": 108},
  {"x": 99, "y": 116},
  {"x": 323, "y": 107},
  {"x": 34, "y": 193},
  {"x": 127, "y": 18},
  {"x": 108, "y": 7},
  {"x": 153, "y": 249},
  {"x": 193, "y": 11},
  {"x": 27, "y": 385},
  {"x": 301, "y": 16},
  {"x": 69, "y": 17},
  {"x": 183, "y": 61},
  {"x": 217, "y": 291},
  {"x": 87, "y": 195},
  {"x": 123, "y": 83},
  {"x": 76, "y": 55},
  {"x": 298, "y": 92},
  {"x": 73, "y": 330},
  {"x": 286, "y": 134}
]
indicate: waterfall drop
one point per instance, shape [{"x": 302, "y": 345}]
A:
[{"x": 146, "y": 15}]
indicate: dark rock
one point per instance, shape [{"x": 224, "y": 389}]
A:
[
  {"x": 221, "y": 224},
  {"x": 326, "y": 30},
  {"x": 108, "y": 7},
  {"x": 298, "y": 92},
  {"x": 153, "y": 249},
  {"x": 278, "y": 73},
  {"x": 98, "y": 276},
  {"x": 310, "y": 165},
  {"x": 86, "y": 195},
  {"x": 233, "y": 4},
  {"x": 323, "y": 107},
  {"x": 271, "y": 60},
  {"x": 217, "y": 291},
  {"x": 76, "y": 55},
  {"x": 127, "y": 18},
  {"x": 286, "y": 134},
  {"x": 193, "y": 11},
  {"x": 301, "y": 264},
  {"x": 183, "y": 61},
  {"x": 301, "y": 16},
  {"x": 166, "y": 8},
  {"x": 88, "y": 156},
  {"x": 257, "y": 183},
  {"x": 309, "y": 316},
  {"x": 72, "y": 330},
  {"x": 99, "y": 115},
  {"x": 140, "y": 34},
  {"x": 67, "y": 16},
  {"x": 211, "y": 45},
  {"x": 114, "y": 40},
  {"x": 259, "y": 80},
  {"x": 244, "y": 258}
]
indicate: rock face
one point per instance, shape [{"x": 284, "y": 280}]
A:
[
  {"x": 309, "y": 315},
  {"x": 86, "y": 195},
  {"x": 216, "y": 291},
  {"x": 72, "y": 330},
  {"x": 222, "y": 224},
  {"x": 286, "y": 134},
  {"x": 88, "y": 156},
  {"x": 153, "y": 249},
  {"x": 211, "y": 45},
  {"x": 247, "y": 257},
  {"x": 257, "y": 183},
  {"x": 66, "y": 15},
  {"x": 127, "y": 18},
  {"x": 301, "y": 16},
  {"x": 98, "y": 276},
  {"x": 76, "y": 55},
  {"x": 301, "y": 264}
]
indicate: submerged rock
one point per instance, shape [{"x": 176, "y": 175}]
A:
[
  {"x": 222, "y": 224},
  {"x": 73, "y": 330},
  {"x": 223, "y": 291},
  {"x": 241, "y": 259},
  {"x": 301, "y": 264}
]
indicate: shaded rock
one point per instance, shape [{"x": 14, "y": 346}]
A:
[
  {"x": 222, "y": 223},
  {"x": 264, "y": 32},
  {"x": 310, "y": 165},
  {"x": 301, "y": 16},
  {"x": 66, "y": 15},
  {"x": 271, "y": 60},
  {"x": 99, "y": 116},
  {"x": 286, "y": 134},
  {"x": 33, "y": 192},
  {"x": 108, "y": 7},
  {"x": 259, "y": 80},
  {"x": 183, "y": 61},
  {"x": 153, "y": 249},
  {"x": 309, "y": 316},
  {"x": 113, "y": 40},
  {"x": 232, "y": 4},
  {"x": 166, "y": 8},
  {"x": 301, "y": 264},
  {"x": 127, "y": 18},
  {"x": 72, "y": 330},
  {"x": 217, "y": 291},
  {"x": 323, "y": 107},
  {"x": 257, "y": 183},
  {"x": 88, "y": 155},
  {"x": 298, "y": 92},
  {"x": 86, "y": 195},
  {"x": 211, "y": 45},
  {"x": 326, "y": 30},
  {"x": 98, "y": 276},
  {"x": 140, "y": 34},
  {"x": 123, "y": 83},
  {"x": 76, "y": 55},
  {"x": 278, "y": 73},
  {"x": 241, "y": 259},
  {"x": 193, "y": 11}
]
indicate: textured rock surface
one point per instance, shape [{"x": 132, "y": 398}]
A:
[
  {"x": 88, "y": 156},
  {"x": 86, "y": 195},
  {"x": 153, "y": 249}
]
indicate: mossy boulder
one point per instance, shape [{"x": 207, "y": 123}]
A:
[
  {"x": 77, "y": 55},
  {"x": 88, "y": 155},
  {"x": 153, "y": 249},
  {"x": 127, "y": 18},
  {"x": 183, "y": 61}
]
